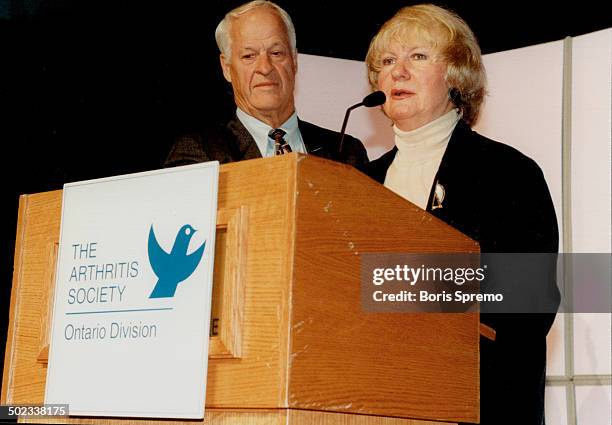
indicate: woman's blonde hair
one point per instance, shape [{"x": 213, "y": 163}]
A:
[{"x": 451, "y": 37}]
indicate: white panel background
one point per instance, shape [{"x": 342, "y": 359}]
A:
[
  {"x": 591, "y": 181},
  {"x": 326, "y": 87},
  {"x": 555, "y": 402},
  {"x": 593, "y": 405},
  {"x": 591, "y": 230},
  {"x": 592, "y": 343},
  {"x": 591, "y": 145},
  {"x": 524, "y": 107}
]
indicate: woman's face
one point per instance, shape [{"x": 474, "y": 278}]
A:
[{"x": 414, "y": 84}]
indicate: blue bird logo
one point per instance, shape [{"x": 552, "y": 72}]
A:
[{"x": 173, "y": 268}]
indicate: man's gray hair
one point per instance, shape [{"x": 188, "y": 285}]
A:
[{"x": 222, "y": 33}]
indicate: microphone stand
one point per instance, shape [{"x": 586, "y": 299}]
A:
[
  {"x": 376, "y": 98},
  {"x": 346, "y": 116}
]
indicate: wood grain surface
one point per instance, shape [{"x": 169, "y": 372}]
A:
[
  {"x": 346, "y": 359},
  {"x": 254, "y": 417}
]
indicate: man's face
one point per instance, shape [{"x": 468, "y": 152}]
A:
[{"x": 261, "y": 68}]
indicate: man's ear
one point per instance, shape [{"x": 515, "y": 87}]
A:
[
  {"x": 295, "y": 62},
  {"x": 225, "y": 67}
]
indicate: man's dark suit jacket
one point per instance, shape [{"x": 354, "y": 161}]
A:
[
  {"x": 231, "y": 142},
  {"x": 499, "y": 197}
]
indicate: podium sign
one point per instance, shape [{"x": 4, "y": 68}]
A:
[{"x": 133, "y": 293}]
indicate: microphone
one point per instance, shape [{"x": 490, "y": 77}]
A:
[{"x": 373, "y": 99}]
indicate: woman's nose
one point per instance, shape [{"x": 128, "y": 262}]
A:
[{"x": 400, "y": 71}]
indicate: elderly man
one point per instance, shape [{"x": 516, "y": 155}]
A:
[{"x": 259, "y": 58}]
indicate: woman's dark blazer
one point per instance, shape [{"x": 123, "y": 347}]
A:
[{"x": 498, "y": 196}]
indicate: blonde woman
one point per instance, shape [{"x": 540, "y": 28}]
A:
[{"x": 428, "y": 63}]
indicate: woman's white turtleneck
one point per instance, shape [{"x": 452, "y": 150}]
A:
[{"x": 419, "y": 153}]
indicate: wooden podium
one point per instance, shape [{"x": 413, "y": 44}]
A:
[{"x": 293, "y": 344}]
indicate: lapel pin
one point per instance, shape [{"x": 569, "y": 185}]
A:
[{"x": 438, "y": 197}]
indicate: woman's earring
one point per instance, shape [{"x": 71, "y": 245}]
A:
[{"x": 455, "y": 96}]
